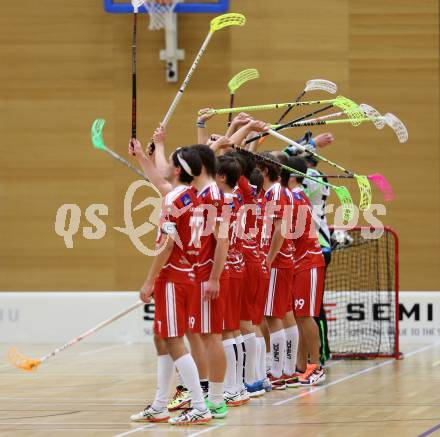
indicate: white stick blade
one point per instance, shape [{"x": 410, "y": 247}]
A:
[
  {"x": 374, "y": 114},
  {"x": 321, "y": 84},
  {"x": 397, "y": 126}
]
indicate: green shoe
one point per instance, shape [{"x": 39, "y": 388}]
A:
[{"x": 218, "y": 411}]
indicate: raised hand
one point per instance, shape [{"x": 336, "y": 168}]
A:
[
  {"x": 323, "y": 140},
  {"x": 205, "y": 114},
  {"x": 159, "y": 135}
]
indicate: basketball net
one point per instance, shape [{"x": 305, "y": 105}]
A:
[{"x": 159, "y": 11}]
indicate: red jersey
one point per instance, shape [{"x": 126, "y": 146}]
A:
[
  {"x": 307, "y": 250},
  {"x": 203, "y": 227},
  {"x": 277, "y": 199},
  {"x": 247, "y": 219},
  {"x": 235, "y": 259},
  {"x": 176, "y": 215}
]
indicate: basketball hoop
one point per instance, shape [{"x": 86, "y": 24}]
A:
[{"x": 160, "y": 11}]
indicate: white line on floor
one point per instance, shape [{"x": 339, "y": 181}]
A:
[
  {"x": 211, "y": 428},
  {"x": 353, "y": 375},
  {"x": 95, "y": 351},
  {"x": 132, "y": 431}
]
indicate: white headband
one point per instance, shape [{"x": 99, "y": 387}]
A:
[{"x": 184, "y": 165}]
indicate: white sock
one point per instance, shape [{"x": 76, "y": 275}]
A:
[
  {"x": 268, "y": 361},
  {"x": 231, "y": 366},
  {"x": 190, "y": 377},
  {"x": 165, "y": 370},
  {"x": 179, "y": 379},
  {"x": 257, "y": 359},
  {"x": 292, "y": 337},
  {"x": 250, "y": 344},
  {"x": 240, "y": 361},
  {"x": 261, "y": 362},
  {"x": 277, "y": 348},
  {"x": 215, "y": 394}
]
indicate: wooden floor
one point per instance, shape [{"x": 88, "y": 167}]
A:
[{"x": 92, "y": 389}]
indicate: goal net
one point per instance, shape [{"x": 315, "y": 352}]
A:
[{"x": 361, "y": 294}]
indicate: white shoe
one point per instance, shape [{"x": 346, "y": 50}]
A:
[
  {"x": 149, "y": 414},
  {"x": 233, "y": 399},
  {"x": 245, "y": 398},
  {"x": 192, "y": 416}
]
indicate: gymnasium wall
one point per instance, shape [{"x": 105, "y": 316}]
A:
[{"x": 66, "y": 63}]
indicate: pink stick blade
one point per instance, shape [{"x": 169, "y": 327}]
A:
[{"x": 381, "y": 182}]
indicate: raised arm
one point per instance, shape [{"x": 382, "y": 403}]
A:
[
  {"x": 202, "y": 132},
  {"x": 147, "y": 164}
]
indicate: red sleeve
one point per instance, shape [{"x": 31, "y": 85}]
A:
[{"x": 247, "y": 190}]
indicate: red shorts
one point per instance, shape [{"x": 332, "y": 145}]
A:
[
  {"x": 233, "y": 304},
  {"x": 280, "y": 286},
  {"x": 207, "y": 316},
  {"x": 308, "y": 288},
  {"x": 250, "y": 290},
  {"x": 171, "y": 308},
  {"x": 260, "y": 300}
]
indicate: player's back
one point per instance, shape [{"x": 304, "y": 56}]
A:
[
  {"x": 210, "y": 202},
  {"x": 178, "y": 209},
  {"x": 307, "y": 250},
  {"x": 276, "y": 200}
]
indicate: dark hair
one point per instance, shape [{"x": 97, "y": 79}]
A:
[
  {"x": 192, "y": 158},
  {"x": 230, "y": 167},
  {"x": 297, "y": 163},
  {"x": 273, "y": 170},
  {"x": 285, "y": 174},
  {"x": 208, "y": 158},
  {"x": 256, "y": 179}
]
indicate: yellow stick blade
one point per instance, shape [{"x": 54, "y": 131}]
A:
[
  {"x": 21, "y": 362},
  {"x": 240, "y": 78},
  {"x": 225, "y": 20}
]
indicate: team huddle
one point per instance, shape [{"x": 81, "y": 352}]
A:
[{"x": 239, "y": 271}]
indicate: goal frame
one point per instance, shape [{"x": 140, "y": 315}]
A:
[{"x": 396, "y": 354}]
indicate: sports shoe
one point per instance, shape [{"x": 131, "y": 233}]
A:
[
  {"x": 192, "y": 416},
  {"x": 149, "y": 414},
  {"x": 277, "y": 383},
  {"x": 267, "y": 384},
  {"x": 255, "y": 389},
  {"x": 292, "y": 380},
  {"x": 181, "y": 399},
  {"x": 245, "y": 398},
  {"x": 233, "y": 399},
  {"x": 314, "y": 375},
  {"x": 218, "y": 411}
]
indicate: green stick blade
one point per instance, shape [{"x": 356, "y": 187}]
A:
[
  {"x": 97, "y": 135},
  {"x": 240, "y": 78},
  {"x": 344, "y": 197},
  {"x": 365, "y": 192}
]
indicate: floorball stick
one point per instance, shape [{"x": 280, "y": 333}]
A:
[
  {"x": 237, "y": 81},
  {"x": 29, "y": 364},
  {"x": 98, "y": 143},
  {"x": 341, "y": 191},
  {"x": 362, "y": 181}
]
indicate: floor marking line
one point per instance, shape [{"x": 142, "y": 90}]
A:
[
  {"x": 211, "y": 428},
  {"x": 430, "y": 431},
  {"x": 132, "y": 431},
  {"x": 352, "y": 375}
]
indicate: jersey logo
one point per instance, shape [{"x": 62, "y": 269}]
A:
[
  {"x": 297, "y": 196},
  {"x": 186, "y": 199}
]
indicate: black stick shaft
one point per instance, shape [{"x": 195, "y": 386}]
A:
[
  {"x": 133, "y": 78},
  {"x": 231, "y": 105},
  {"x": 290, "y": 108},
  {"x": 290, "y": 123}
]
